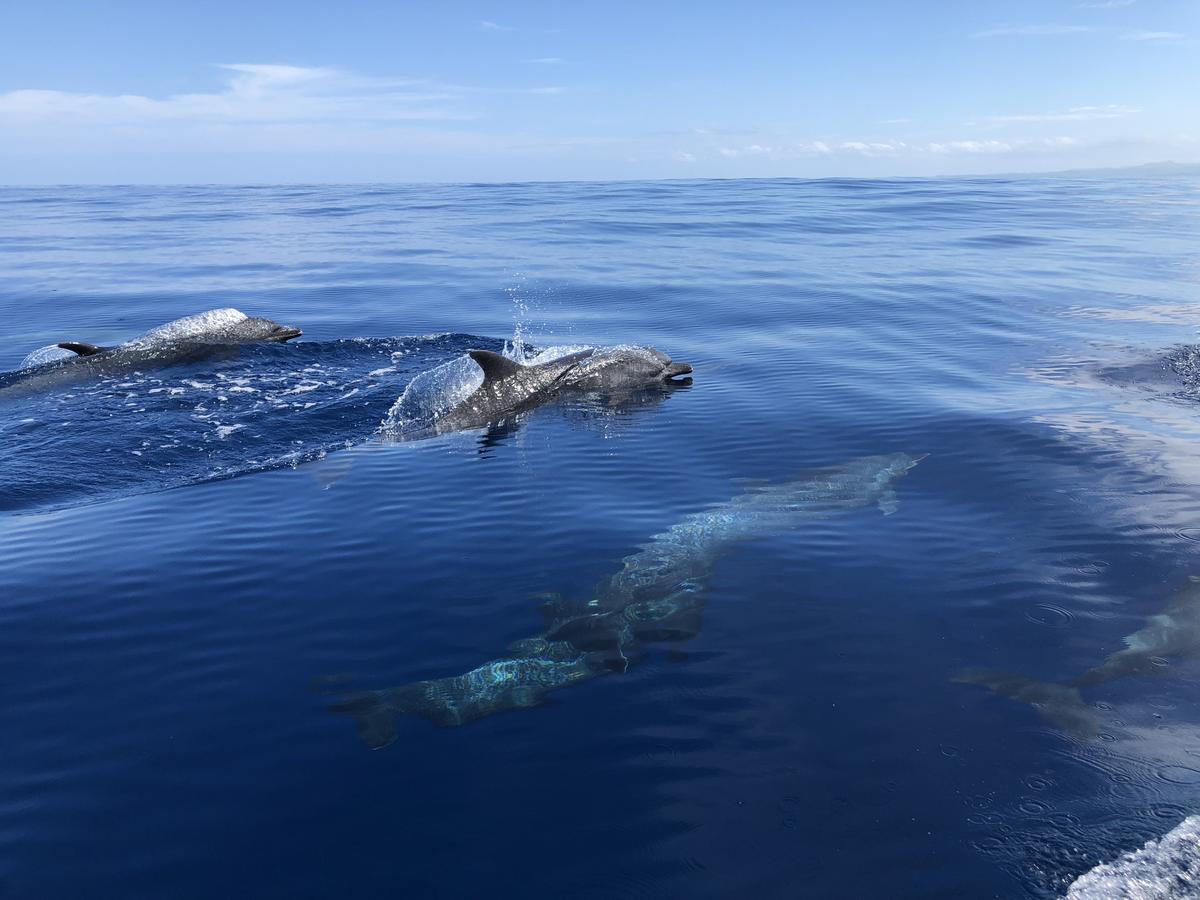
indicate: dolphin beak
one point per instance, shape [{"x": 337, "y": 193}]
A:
[
  {"x": 286, "y": 333},
  {"x": 676, "y": 369}
]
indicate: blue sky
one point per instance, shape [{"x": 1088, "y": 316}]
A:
[{"x": 365, "y": 90}]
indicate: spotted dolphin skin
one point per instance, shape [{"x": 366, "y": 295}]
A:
[
  {"x": 191, "y": 339},
  {"x": 1172, "y": 633},
  {"x": 511, "y": 387},
  {"x": 656, "y": 595}
]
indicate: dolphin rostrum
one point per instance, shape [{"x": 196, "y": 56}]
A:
[
  {"x": 510, "y": 387},
  {"x": 1174, "y": 632},
  {"x": 656, "y": 595},
  {"x": 190, "y": 339}
]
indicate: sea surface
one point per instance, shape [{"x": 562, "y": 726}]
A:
[{"x": 209, "y": 571}]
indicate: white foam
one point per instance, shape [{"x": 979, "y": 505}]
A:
[
  {"x": 551, "y": 353},
  {"x": 1166, "y": 869},
  {"x": 43, "y": 355}
]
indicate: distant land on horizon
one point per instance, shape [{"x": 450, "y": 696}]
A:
[{"x": 1165, "y": 168}]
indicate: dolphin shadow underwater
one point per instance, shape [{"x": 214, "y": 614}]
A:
[
  {"x": 1172, "y": 633},
  {"x": 656, "y": 595},
  {"x": 216, "y": 334}
]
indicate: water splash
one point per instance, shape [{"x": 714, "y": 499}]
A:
[
  {"x": 517, "y": 350},
  {"x": 1166, "y": 869},
  {"x": 431, "y": 394},
  {"x": 42, "y": 355}
]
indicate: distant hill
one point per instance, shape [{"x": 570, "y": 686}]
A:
[{"x": 1154, "y": 169}]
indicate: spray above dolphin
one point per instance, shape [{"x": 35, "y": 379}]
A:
[
  {"x": 656, "y": 595},
  {"x": 1172, "y": 633},
  {"x": 509, "y": 387},
  {"x": 190, "y": 339}
]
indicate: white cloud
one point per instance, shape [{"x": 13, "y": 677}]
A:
[
  {"x": 1001, "y": 147},
  {"x": 262, "y": 94},
  {"x": 873, "y": 148},
  {"x": 1153, "y": 36},
  {"x": 970, "y": 147},
  {"x": 252, "y": 93},
  {"x": 547, "y": 60},
  {"x": 681, "y": 156},
  {"x": 486, "y": 25},
  {"x": 1074, "y": 114},
  {"x": 1035, "y": 30},
  {"x": 894, "y": 149},
  {"x": 788, "y": 150}
]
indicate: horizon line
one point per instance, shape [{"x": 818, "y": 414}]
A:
[{"x": 1181, "y": 169}]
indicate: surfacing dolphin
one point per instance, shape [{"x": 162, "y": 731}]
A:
[
  {"x": 656, "y": 595},
  {"x": 190, "y": 339},
  {"x": 1174, "y": 632},
  {"x": 511, "y": 387}
]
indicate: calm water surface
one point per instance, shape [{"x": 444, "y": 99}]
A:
[{"x": 204, "y": 569}]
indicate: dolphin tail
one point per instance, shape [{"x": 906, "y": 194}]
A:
[
  {"x": 376, "y": 722},
  {"x": 1059, "y": 704}
]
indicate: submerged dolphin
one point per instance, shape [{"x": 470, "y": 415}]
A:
[
  {"x": 1174, "y": 632},
  {"x": 510, "y": 387},
  {"x": 655, "y": 596},
  {"x": 190, "y": 339}
]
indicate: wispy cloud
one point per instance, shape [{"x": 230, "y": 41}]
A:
[
  {"x": 253, "y": 93},
  {"x": 1001, "y": 147},
  {"x": 547, "y": 60},
  {"x": 486, "y": 25},
  {"x": 1153, "y": 36},
  {"x": 785, "y": 150},
  {"x": 1033, "y": 30},
  {"x": 256, "y": 93},
  {"x": 895, "y": 149},
  {"x": 873, "y": 148},
  {"x": 1074, "y": 114},
  {"x": 1106, "y": 4},
  {"x": 683, "y": 156}
]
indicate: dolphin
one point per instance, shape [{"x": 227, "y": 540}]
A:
[
  {"x": 656, "y": 595},
  {"x": 208, "y": 335},
  {"x": 510, "y": 387},
  {"x": 1172, "y": 633}
]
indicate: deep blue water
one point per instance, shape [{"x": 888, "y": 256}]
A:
[{"x": 203, "y": 567}]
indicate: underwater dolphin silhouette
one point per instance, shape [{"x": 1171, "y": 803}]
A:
[
  {"x": 1174, "y": 632},
  {"x": 510, "y": 387},
  {"x": 190, "y": 339},
  {"x": 656, "y": 595}
]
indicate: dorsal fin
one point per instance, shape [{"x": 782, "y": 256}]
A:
[
  {"x": 83, "y": 349},
  {"x": 495, "y": 367}
]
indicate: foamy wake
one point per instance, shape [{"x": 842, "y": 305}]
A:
[{"x": 1166, "y": 869}]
